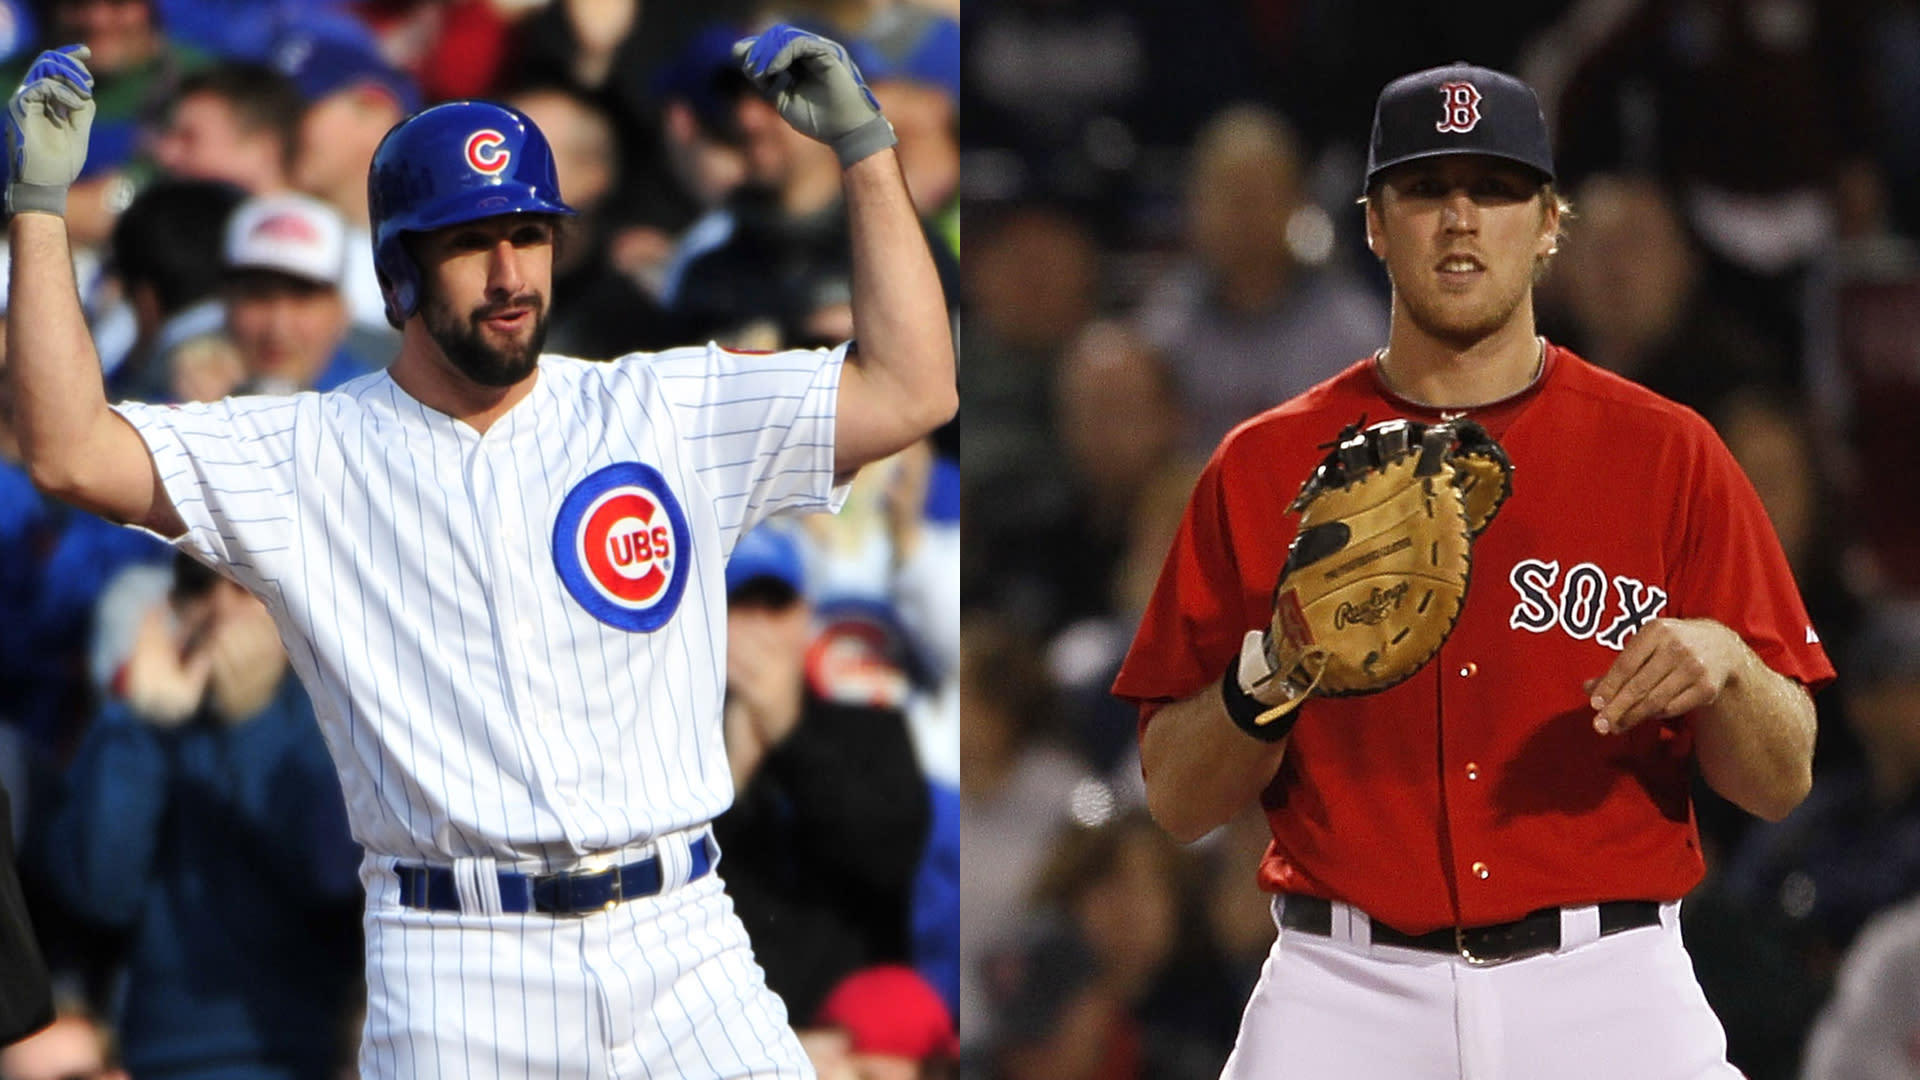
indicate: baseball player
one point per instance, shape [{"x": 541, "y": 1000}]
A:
[
  {"x": 1476, "y": 872},
  {"x": 500, "y": 572}
]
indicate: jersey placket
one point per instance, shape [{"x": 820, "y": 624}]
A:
[{"x": 514, "y": 607}]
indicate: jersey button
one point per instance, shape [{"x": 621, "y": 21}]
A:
[
  {"x": 1469, "y": 669},
  {"x": 1480, "y": 870},
  {"x": 1473, "y": 770}
]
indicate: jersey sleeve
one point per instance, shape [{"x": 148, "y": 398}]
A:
[
  {"x": 1733, "y": 570},
  {"x": 229, "y": 468},
  {"x": 758, "y": 427},
  {"x": 1198, "y": 612}
]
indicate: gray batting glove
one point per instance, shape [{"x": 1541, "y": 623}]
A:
[
  {"x": 817, "y": 88},
  {"x": 48, "y": 121}
]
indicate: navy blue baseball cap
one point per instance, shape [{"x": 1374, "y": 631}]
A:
[
  {"x": 767, "y": 552},
  {"x": 1458, "y": 109}
]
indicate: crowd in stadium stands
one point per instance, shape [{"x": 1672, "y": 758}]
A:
[
  {"x": 183, "y": 842},
  {"x": 1162, "y": 240}
]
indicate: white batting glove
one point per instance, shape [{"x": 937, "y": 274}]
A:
[
  {"x": 48, "y": 122},
  {"x": 818, "y": 90}
]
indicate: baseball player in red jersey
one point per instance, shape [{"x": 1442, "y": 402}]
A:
[{"x": 1477, "y": 871}]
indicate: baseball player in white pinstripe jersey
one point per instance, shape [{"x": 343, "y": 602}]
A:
[{"x": 500, "y": 573}]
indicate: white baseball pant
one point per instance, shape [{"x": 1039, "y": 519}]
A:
[{"x": 1599, "y": 1008}]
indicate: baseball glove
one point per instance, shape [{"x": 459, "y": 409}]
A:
[{"x": 1374, "y": 582}]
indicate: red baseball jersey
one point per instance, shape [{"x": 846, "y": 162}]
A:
[{"x": 1477, "y": 790}]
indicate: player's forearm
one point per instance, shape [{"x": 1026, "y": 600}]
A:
[
  {"x": 1201, "y": 770},
  {"x": 901, "y": 325},
  {"x": 59, "y": 402},
  {"x": 1755, "y": 742}
]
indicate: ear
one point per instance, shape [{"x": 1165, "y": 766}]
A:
[
  {"x": 1549, "y": 227},
  {"x": 1376, "y": 228}
]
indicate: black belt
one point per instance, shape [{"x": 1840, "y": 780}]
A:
[
  {"x": 574, "y": 892},
  {"x": 1530, "y": 935}
]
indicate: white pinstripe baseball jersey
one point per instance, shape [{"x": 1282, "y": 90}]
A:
[{"x": 515, "y": 641}]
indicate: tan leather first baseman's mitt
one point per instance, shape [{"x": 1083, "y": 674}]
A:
[{"x": 1374, "y": 582}]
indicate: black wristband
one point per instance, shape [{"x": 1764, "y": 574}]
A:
[{"x": 1245, "y": 710}]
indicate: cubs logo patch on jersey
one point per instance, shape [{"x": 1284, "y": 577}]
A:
[{"x": 620, "y": 547}]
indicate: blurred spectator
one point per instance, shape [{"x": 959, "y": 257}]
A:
[
  {"x": 1062, "y": 95},
  {"x": 1631, "y": 286},
  {"x": 1854, "y": 846},
  {"x": 208, "y": 772},
  {"x": 700, "y": 137},
  {"x": 26, "y": 1003},
  {"x": 911, "y": 59},
  {"x": 629, "y": 54},
  {"x": 285, "y": 259},
  {"x": 831, "y": 817},
  {"x": 1053, "y": 1017},
  {"x": 135, "y": 68},
  {"x": 777, "y": 273},
  {"x": 1759, "y": 113},
  {"x": 1053, "y": 540},
  {"x": 77, "y": 1046},
  {"x": 882, "y": 1023},
  {"x": 1125, "y": 886},
  {"x": 453, "y": 48},
  {"x": 353, "y": 97},
  {"x": 1017, "y": 789},
  {"x": 1250, "y": 315},
  {"x": 235, "y": 121},
  {"x": 1033, "y": 279},
  {"x": 1870, "y": 1028},
  {"x": 167, "y": 252},
  {"x": 598, "y": 310}
]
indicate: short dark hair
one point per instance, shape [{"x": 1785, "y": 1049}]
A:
[
  {"x": 261, "y": 97},
  {"x": 171, "y": 238}
]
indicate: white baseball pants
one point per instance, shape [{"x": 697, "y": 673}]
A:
[
  {"x": 1601, "y": 1008},
  {"x": 656, "y": 987}
]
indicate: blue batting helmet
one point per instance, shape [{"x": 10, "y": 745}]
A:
[{"x": 461, "y": 161}]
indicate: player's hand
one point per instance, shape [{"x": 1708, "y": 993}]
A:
[
  {"x": 246, "y": 661},
  {"x": 817, "y": 88},
  {"x": 163, "y": 681},
  {"x": 48, "y": 122},
  {"x": 1670, "y": 667}
]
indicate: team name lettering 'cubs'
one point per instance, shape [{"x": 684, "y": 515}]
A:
[
  {"x": 617, "y": 545},
  {"x": 1580, "y": 604},
  {"x": 486, "y": 152},
  {"x": 1462, "y": 107}
]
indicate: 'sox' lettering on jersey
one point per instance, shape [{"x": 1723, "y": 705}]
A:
[
  {"x": 620, "y": 547},
  {"x": 1580, "y": 604},
  {"x": 486, "y": 152},
  {"x": 1461, "y": 111}
]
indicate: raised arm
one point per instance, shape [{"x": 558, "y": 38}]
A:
[
  {"x": 899, "y": 381},
  {"x": 74, "y": 446}
]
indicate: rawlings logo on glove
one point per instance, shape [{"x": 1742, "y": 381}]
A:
[{"x": 1375, "y": 580}]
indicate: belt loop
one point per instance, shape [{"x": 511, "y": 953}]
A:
[
  {"x": 676, "y": 859},
  {"x": 1579, "y": 926},
  {"x": 1351, "y": 925},
  {"x": 477, "y": 880}
]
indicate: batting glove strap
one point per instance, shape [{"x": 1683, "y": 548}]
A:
[
  {"x": 1251, "y": 669},
  {"x": 37, "y": 199},
  {"x": 865, "y": 141}
]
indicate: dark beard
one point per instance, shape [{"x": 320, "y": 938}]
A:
[{"x": 461, "y": 341}]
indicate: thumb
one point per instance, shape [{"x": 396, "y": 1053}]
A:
[{"x": 79, "y": 52}]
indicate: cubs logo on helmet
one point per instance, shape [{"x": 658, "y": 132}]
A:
[
  {"x": 486, "y": 152},
  {"x": 620, "y": 546}
]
